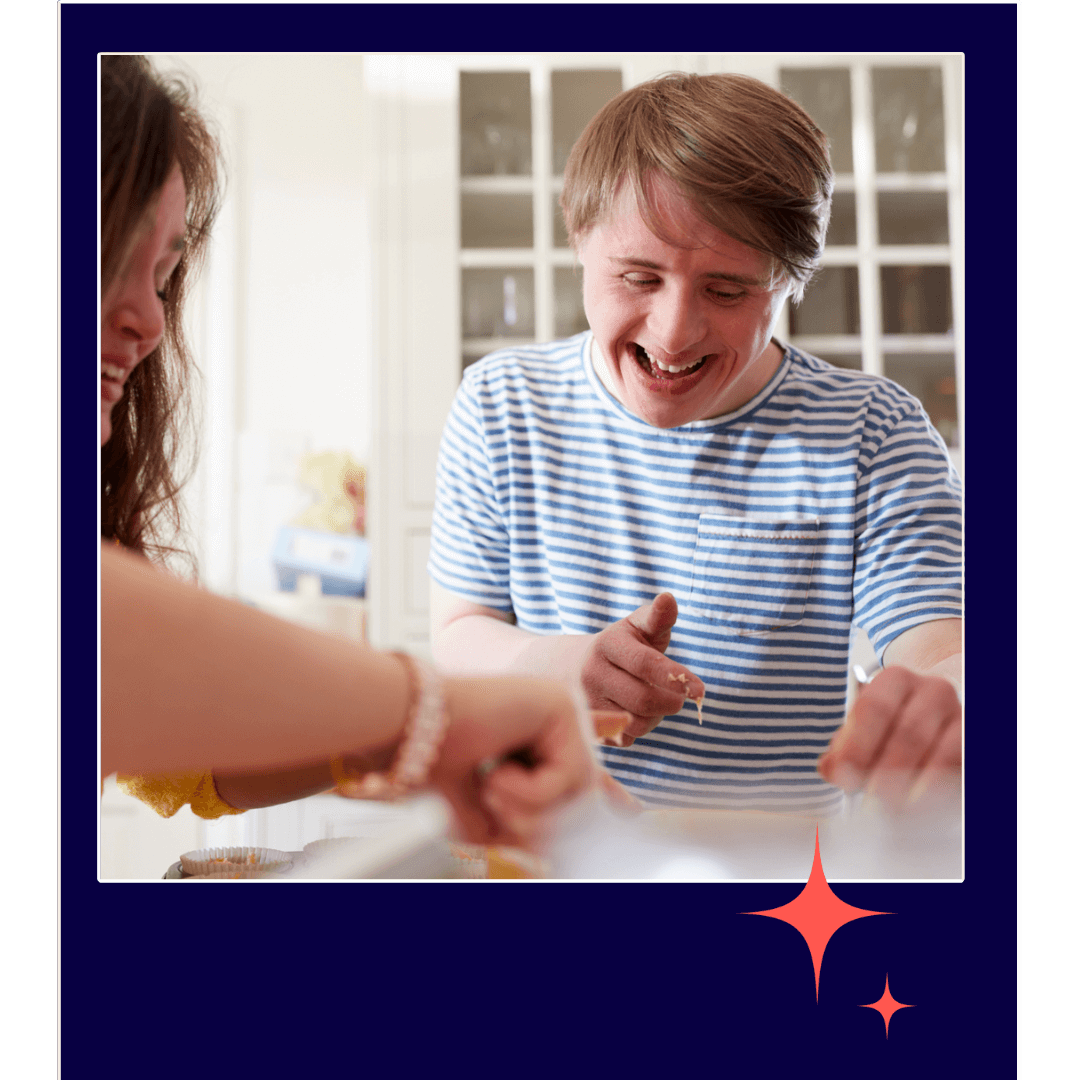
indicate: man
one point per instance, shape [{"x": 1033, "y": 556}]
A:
[{"x": 675, "y": 504}]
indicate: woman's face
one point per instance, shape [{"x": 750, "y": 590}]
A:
[{"x": 132, "y": 305}]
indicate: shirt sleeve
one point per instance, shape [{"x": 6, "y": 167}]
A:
[
  {"x": 470, "y": 541},
  {"x": 166, "y": 794},
  {"x": 908, "y": 531}
]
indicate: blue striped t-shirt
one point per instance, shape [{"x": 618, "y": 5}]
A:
[{"x": 827, "y": 500}]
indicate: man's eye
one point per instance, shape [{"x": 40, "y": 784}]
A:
[
  {"x": 640, "y": 281},
  {"x": 721, "y": 295}
]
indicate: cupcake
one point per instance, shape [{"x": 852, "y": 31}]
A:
[{"x": 231, "y": 860}]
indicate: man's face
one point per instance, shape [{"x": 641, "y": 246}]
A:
[{"x": 683, "y": 328}]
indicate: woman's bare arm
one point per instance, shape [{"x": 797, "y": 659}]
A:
[
  {"x": 252, "y": 790},
  {"x": 191, "y": 681}
]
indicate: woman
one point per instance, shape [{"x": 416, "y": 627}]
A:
[{"x": 218, "y": 704}]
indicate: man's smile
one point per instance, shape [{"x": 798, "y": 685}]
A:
[{"x": 659, "y": 370}]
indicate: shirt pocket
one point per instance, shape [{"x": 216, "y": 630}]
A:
[{"x": 752, "y": 575}]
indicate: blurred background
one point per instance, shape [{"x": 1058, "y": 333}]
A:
[{"x": 390, "y": 219}]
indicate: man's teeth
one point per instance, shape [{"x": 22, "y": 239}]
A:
[
  {"x": 665, "y": 367},
  {"x": 111, "y": 371}
]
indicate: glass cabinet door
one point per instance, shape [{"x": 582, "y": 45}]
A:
[
  {"x": 517, "y": 128},
  {"x": 885, "y": 300}
]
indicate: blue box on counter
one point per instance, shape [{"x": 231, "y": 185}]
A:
[{"x": 339, "y": 560}]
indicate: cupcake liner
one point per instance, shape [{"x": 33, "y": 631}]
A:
[
  {"x": 318, "y": 848},
  {"x": 470, "y": 860},
  {"x": 478, "y": 861},
  {"x": 230, "y": 875},
  {"x": 233, "y": 859}
]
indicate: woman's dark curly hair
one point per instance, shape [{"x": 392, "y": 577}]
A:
[{"x": 148, "y": 125}]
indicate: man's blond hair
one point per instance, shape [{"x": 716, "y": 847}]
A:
[{"x": 749, "y": 160}]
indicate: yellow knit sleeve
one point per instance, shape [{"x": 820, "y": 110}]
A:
[{"x": 166, "y": 794}]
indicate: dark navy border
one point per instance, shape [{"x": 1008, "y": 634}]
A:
[{"x": 555, "y": 977}]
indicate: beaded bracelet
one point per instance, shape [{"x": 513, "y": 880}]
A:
[{"x": 425, "y": 729}]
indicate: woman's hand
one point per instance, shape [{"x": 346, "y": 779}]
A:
[{"x": 490, "y": 719}]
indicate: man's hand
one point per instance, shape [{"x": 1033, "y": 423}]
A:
[
  {"x": 902, "y": 737},
  {"x": 625, "y": 669},
  {"x": 622, "y": 668}
]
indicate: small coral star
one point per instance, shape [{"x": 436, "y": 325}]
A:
[
  {"x": 887, "y": 1005},
  {"x": 817, "y": 913}
]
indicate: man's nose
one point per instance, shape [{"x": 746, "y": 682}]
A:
[{"x": 678, "y": 321}]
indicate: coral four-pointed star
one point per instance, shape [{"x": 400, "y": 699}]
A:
[
  {"x": 817, "y": 913},
  {"x": 887, "y": 1005}
]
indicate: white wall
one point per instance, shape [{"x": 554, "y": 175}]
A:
[{"x": 282, "y": 323}]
